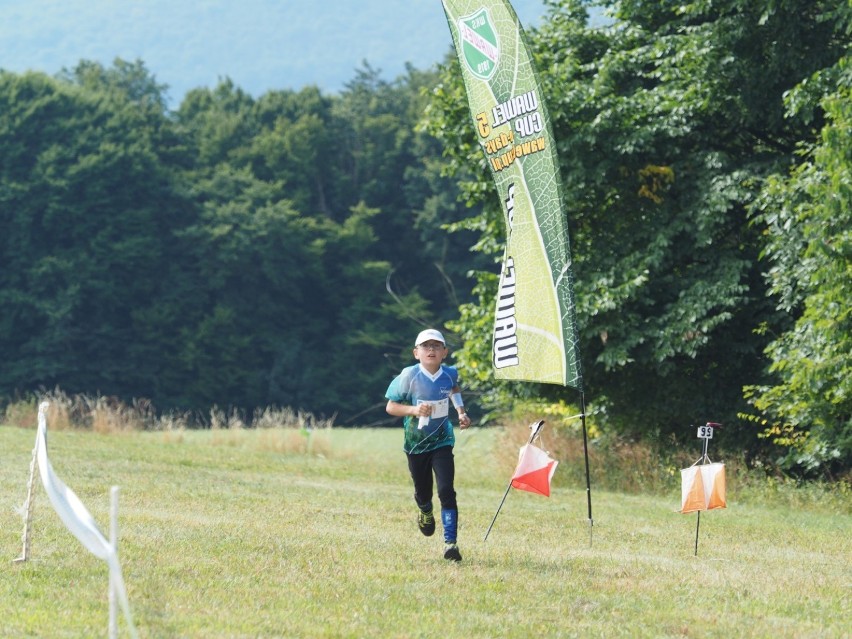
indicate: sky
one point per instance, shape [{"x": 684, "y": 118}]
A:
[{"x": 259, "y": 44}]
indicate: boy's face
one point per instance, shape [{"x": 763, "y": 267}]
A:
[{"x": 430, "y": 353}]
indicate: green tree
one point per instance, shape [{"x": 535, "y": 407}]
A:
[
  {"x": 395, "y": 169},
  {"x": 292, "y": 258},
  {"x": 89, "y": 211},
  {"x": 258, "y": 265},
  {"x": 809, "y": 410},
  {"x": 235, "y": 252},
  {"x": 668, "y": 121}
]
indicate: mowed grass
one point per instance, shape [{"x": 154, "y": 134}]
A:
[{"x": 226, "y": 534}]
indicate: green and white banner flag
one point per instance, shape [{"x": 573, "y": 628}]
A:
[{"x": 535, "y": 329}]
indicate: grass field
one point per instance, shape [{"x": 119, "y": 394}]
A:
[{"x": 227, "y": 534}]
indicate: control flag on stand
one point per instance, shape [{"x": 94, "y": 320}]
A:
[
  {"x": 534, "y": 471},
  {"x": 703, "y": 487}
]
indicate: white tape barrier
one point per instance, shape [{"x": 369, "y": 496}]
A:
[{"x": 77, "y": 518}]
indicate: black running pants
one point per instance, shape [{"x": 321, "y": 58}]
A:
[{"x": 441, "y": 463}]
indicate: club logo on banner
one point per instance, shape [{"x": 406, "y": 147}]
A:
[{"x": 480, "y": 46}]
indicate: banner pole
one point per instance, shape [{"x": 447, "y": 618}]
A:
[{"x": 586, "y": 456}]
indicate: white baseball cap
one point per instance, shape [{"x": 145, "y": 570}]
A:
[{"x": 429, "y": 333}]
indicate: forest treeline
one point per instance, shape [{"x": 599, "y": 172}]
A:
[
  {"x": 235, "y": 252},
  {"x": 284, "y": 250}
]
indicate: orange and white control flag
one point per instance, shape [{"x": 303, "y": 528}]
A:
[
  {"x": 534, "y": 471},
  {"x": 703, "y": 487}
]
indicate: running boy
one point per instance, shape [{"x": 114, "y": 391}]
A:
[{"x": 422, "y": 394}]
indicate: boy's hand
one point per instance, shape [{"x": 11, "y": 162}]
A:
[
  {"x": 464, "y": 421},
  {"x": 422, "y": 410}
]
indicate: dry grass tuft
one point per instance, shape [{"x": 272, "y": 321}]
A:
[
  {"x": 273, "y": 417},
  {"x": 295, "y": 441},
  {"x": 22, "y": 413},
  {"x": 283, "y": 430}
]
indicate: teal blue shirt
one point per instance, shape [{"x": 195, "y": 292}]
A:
[{"x": 415, "y": 385}]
